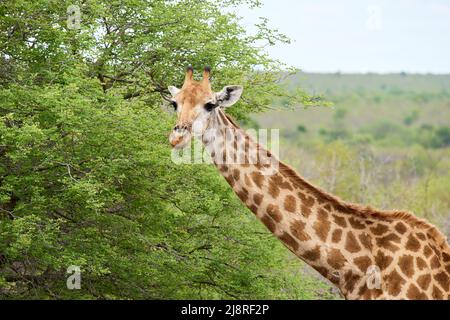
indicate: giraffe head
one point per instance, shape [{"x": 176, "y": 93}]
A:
[{"x": 196, "y": 104}]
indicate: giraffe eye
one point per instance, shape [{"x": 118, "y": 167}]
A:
[
  {"x": 174, "y": 105},
  {"x": 209, "y": 106}
]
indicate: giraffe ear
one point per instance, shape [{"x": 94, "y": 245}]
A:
[
  {"x": 173, "y": 90},
  {"x": 228, "y": 96}
]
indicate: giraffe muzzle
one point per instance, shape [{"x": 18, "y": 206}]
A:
[{"x": 180, "y": 136}]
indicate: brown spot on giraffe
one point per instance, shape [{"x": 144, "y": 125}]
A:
[
  {"x": 334, "y": 277},
  {"x": 323, "y": 213},
  {"x": 229, "y": 180},
  {"x": 274, "y": 190},
  {"x": 253, "y": 209},
  {"x": 306, "y": 211},
  {"x": 350, "y": 280},
  {"x": 446, "y": 257},
  {"x": 340, "y": 221},
  {"x": 400, "y": 227},
  {"x": 339, "y": 207},
  {"x": 427, "y": 251},
  {"x": 443, "y": 279},
  {"x": 383, "y": 261},
  {"x": 387, "y": 242},
  {"x": 236, "y": 174},
  {"x": 414, "y": 293},
  {"x": 257, "y": 198},
  {"x": 437, "y": 293},
  {"x": 257, "y": 178},
  {"x": 320, "y": 198},
  {"x": 369, "y": 294},
  {"x": 280, "y": 182},
  {"x": 224, "y": 157},
  {"x": 336, "y": 236},
  {"x": 336, "y": 259},
  {"x": 436, "y": 251},
  {"x": 406, "y": 264},
  {"x": 424, "y": 281},
  {"x": 274, "y": 212},
  {"x": 413, "y": 244},
  {"x": 365, "y": 240},
  {"x": 298, "y": 231},
  {"x": 394, "y": 283},
  {"x": 322, "y": 225},
  {"x": 356, "y": 223},
  {"x": 434, "y": 263},
  {"x": 243, "y": 194},
  {"x": 421, "y": 263},
  {"x": 268, "y": 222},
  {"x": 306, "y": 199},
  {"x": 379, "y": 229},
  {"x": 313, "y": 254},
  {"x": 290, "y": 203},
  {"x": 421, "y": 236},
  {"x": 363, "y": 263},
  {"x": 235, "y": 147},
  {"x": 247, "y": 180},
  {"x": 351, "y": 244}
]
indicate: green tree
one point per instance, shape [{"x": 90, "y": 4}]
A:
[{"x": 85, "y": 172}]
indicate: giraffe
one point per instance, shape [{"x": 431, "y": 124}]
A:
[{"x": 366, "y": 253}]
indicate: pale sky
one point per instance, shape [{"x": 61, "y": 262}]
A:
[{"x": 360, "y": 35}]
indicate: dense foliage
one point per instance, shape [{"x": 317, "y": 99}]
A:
[{"x": 85, "y": 172}]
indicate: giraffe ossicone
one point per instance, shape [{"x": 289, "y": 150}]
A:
[{"x": 367, "y": 253}]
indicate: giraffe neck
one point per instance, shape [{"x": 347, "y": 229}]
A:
[{"x": 366, "y": 253}]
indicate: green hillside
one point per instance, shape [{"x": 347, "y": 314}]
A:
[{"x": 365, "y": 99}]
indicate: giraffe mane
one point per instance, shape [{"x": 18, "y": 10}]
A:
[
  {"x": 367, "y": 211},
  {"x": 232, "y": 121},
  {"x": 360, "y": 210}
]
